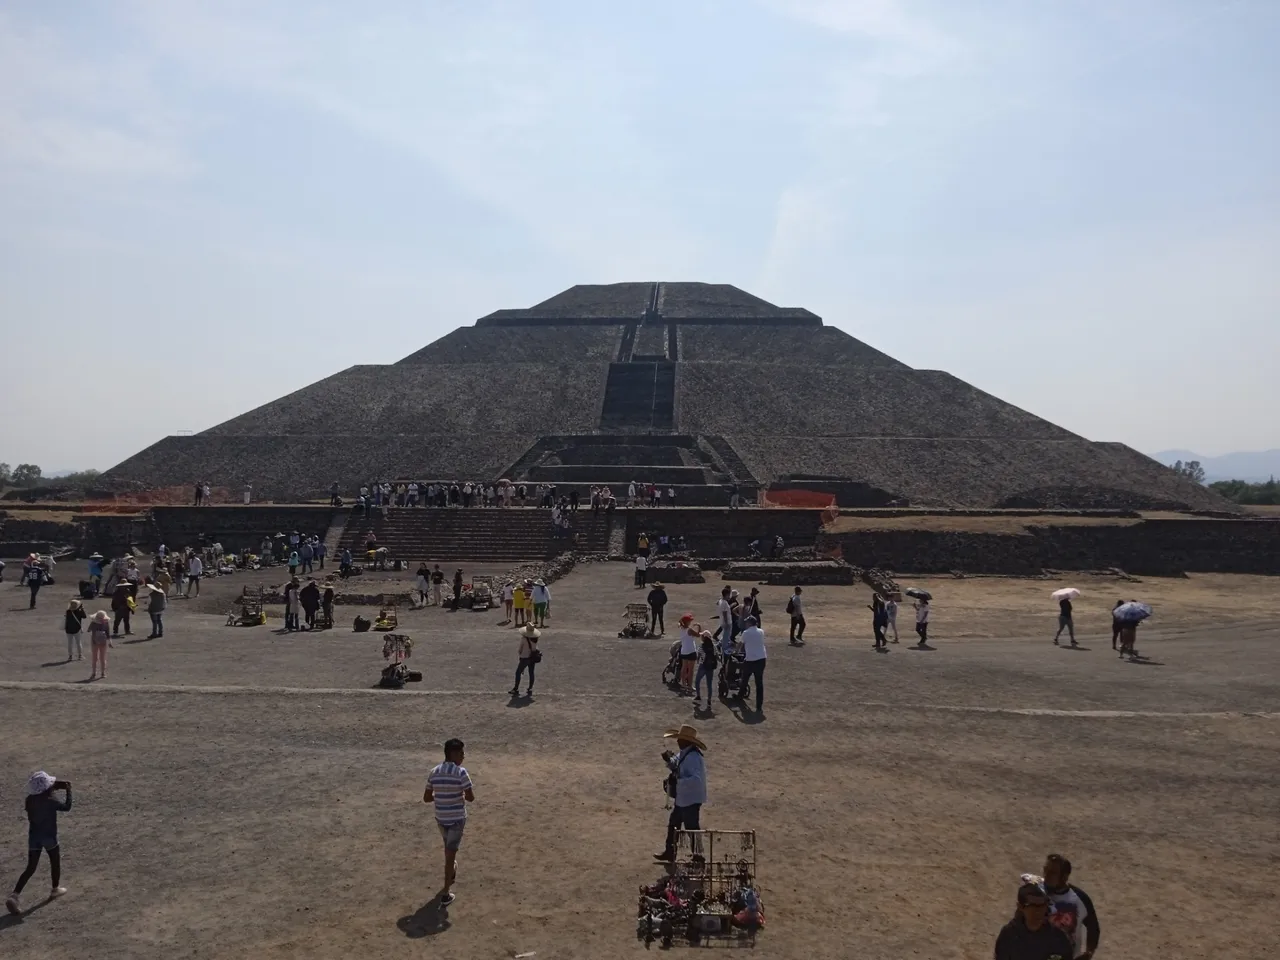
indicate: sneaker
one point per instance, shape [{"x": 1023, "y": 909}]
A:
[
  {"x": 528, "y": 693},
  {"x": 57, "y": 892},
  {"x": 447, "y": 899},
  {"x": 515, "y": 692},
  {"x": 12, "y": 904},
  {"x": 1055, "y": 641},
  {"x": 665, "y": 856}
]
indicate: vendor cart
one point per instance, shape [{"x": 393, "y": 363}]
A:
[
  {"x": 250, "y": 611},
  {"x": 387, "y": 616},
  {"x": 396, "y": 649},
  {"x": 637, "y": 617},
  {"x": 481, "y": 593},
  {"x": 710, "y": 894}
]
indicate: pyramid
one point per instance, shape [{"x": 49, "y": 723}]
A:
[{"x": 690, "y": 384}]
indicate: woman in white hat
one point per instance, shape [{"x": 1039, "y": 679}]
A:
[
  {"x": 42, "y": 833},
  {"x": 529, "y": 657}
]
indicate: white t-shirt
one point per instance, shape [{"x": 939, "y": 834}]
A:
[
  {"x": 922, "y": 613},
  {"x": 797, "y": 605},
  {"x": 1068, "y": 915},
  {"x": 688, "y": 643},
  {"x": 641, "y": 562},
  {"x": 752, "y": 640},
  {"x": 725, "y": 609},
  {"x": 508, "y": 593}
]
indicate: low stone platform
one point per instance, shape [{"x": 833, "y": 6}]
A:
[{"x": 792, "y": 572}]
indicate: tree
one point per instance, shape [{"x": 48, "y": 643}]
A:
[
  {"x": 1191, "y": 470},
  {"x": 25, "y": 475},
  {"x": 5, "y": 473},
  {"x": 1248, "y": 494}
]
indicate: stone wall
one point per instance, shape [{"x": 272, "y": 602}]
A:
[
  {"x": 1152, "y": 548},
  {"x": 235, "y": 527},
  {"x": 724, "y": 533}
]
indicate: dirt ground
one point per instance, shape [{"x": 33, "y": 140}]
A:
[{"x": 240, "y": 792}]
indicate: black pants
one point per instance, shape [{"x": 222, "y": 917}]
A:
[
  {"x": 682, "y": 818},
  {"x": 122, "y": 616},
  {"x": 525, "y": 662},
  {"x": 923, "y": 630},
  {"x": 640, "y": 577},
  {"x": 753, "y": 670},
  {"x": 310, "y": 613},
  {"x": 655, "y": 620},
  {"x": 879, "y": 629},
  {"x": 1115, "y": 633},
  {"x": 35, "y": 588},
  {"x": 55, "y": 867},
  {"x": 797, "y": 629}
]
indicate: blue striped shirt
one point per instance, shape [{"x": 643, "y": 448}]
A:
[{"x": 449, "y": 783}]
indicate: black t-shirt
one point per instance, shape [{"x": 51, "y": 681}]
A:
[
  {"x": 73, "y": 620},
  {"x": 657, "y": 598},
  {"x": 1018, "y": 942},
  {"x": 1065, "y": 606}
]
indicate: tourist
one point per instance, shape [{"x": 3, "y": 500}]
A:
[
  {"x": 344, "y": 563},
  {"x": 541, "y": 601},
  {"x": 1116, "y": 624},
  {"x": 707, "y": 662},
  {"x": 528, "y": 601},
  {"x": 449, "y": 788},
  {"x": 754, "y": 659},
  {"x": 99, "y": 640},
  {"x": 922, "y": 621},
  {"x": 95, "y": 572},
  {"x": 1128, "y": 638},
  {"x": 690, "y": 637},
  {"x": 879, "y": 620},
  {"x": 687, "y": 785},
  {"x": 1071, "y": 910},
  {"x": 248, "y": 493},
  {"x": 733, "y": 496},
  {"x": 657, "y": 602},
  {"x": 656, "y": 496},
  {"x": 205, "y": 499},
  {"x": 457, "y": 588},
  {"x": 156, "y": 604},
  {"x": 163, "y": 580},
  {"x": 529, "y": 655},
  {"x": 724, "y": 613},
  {"x": 1064, "y": 621},
  {"x": 1029, "y": 935},
  {"x": 642, "y": 544},
  {"x": 413, "y": 493},
  {"x": 292, "y": 605},
  {"x": 42, "y": 834},
  {"x": 199, "y": 494},
  {"x": 518, "y": 599},
  {"x": 35, "y": 579},
  {"x": 795, "y": 607},
  {"x": 74, "y": 619},
  {"x": 423, "y": 583},
  {"x": 751, "y": 606},
  {"x": 642, "y": 564},
  {"x": 306, "y": 554},
  {"x": 294, "y": 562},
  {"x": 778, "y": 549},
  {"x": 122, "y": 607},
  {"x": 195, "y": 570},
  {"x": 334, "y": 499},
  {"x": 671, "y": 496},
  {"x": 508, "y": 600},
  {"x": 891, "y": 616},
  {"x": 437, "y": 585},
  {"x": 320, "y": 550},
  {"x": 573, "y": 500},
  {"x": 309, "y": 597}
]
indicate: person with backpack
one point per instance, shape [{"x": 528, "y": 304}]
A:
[
  {"x": 42, "y": 809},
  {"x": 530, "y": 656},
  {"x": 686, "y": 785}
]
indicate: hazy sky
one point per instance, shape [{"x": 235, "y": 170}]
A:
[{"x": 1073, "y": 204}]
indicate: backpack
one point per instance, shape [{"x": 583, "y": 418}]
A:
[
  {"x": 361, "y": 624},
  {"x": 791, "y": 607}
]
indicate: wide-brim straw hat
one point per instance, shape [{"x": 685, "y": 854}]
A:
[
  {"x": 153, "y": 588},
  {"x": 685, "y": 732},
  {"x": 74, "y": 604},
  {"x": 532, "y": 632},
  {"x": 102, "y": 616}
]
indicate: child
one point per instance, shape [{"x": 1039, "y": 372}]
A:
[
  {"x": 518, "y": 601},
  {"x": 42, "y": 833}
]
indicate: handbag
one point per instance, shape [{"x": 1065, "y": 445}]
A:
[{"x": 535, "y": 655}]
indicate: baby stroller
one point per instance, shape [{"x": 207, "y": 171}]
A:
[
  {"x": 731, "y": 673},
  {"x": 671, "y": 672}
]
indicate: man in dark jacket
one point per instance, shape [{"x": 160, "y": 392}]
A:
[
  {"x": 1030, "y": 935},
  {"x": 657, "y": 601},
  {"x": 157, "y": 603},
  {"x": 120, "y": 607},
  {"x": 309, "y": 597}
]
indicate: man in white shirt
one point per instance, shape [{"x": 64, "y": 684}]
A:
[
  {"x": 642, "y": 566},
  {"x": 754, "y": 656},
  {"x": 724, "y": 610},
  {"x": 922, "y": 621},
  {"x": 195, "y": 570},
  {"x": 671, "y": 496},
  {"x": 795, "y": 607}
]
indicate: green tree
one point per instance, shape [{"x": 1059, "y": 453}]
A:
[
  {"x": 1248, "y": 494},
  {"x": 25, "y": 475},
  {"x": 5, "y": 474},
  {"x": 1192, "y": 470}
]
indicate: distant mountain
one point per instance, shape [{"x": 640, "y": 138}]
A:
[{"x": 1254, "y": 467}]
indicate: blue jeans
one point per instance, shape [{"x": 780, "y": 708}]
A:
[
  {"x": 157, "y": 625},
  {"x": 704, "y": 670},
  {"x": 525, "y": 662}
]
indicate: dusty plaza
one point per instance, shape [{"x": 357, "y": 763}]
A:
[{"x": 243, "y": 792}]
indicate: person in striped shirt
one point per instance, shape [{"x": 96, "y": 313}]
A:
[{"x": 449, "y": 788}]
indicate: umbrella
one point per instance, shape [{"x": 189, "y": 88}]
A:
[
  {"x": 1131, "y": 612},
  {"x": 919, "y": 594},
  {"x": 1066, "y": 593}
]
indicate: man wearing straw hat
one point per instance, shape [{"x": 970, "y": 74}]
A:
[{"x": 687, "y": 785}]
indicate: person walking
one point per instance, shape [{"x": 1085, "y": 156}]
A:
[
  {"x": 437, "y": 585},
  {"x": 686, "y": 785},
  {"x": 657, "y": 603},
  {"x": 879, "y": 620},
  {"x": 1030, "y": 935},
  {"x": 922, "y": 621},
  {"x": 707, "y": 662},
  {"x": 99, "y": 640},
  {"x": 320, "y": 551},
  {"x": 541, "y": 602},
  {"x": 1116, "y": 624},
  {"x": 121, "y": 607},
  {"x": 423, "y": 583},
  {"x": 754, "y": 659},
  {"x": 195, "y": 570},
  {"x": 724, "y": 613},
  {"x": 795, "y": 607},
  {"x": 42, "y": 809},
  {"x": 450, "y": 789},
  {"x": 326, "y": 604},
  {"x": 751, "y": 606},
  {"x": 95, "y": 572},
  {"x": 530, "y": 656},
  {"x": 306, "y": 553},
  {"x": 35, "y": 580},
  {"x": 517, "y": 596},
  {"x": 156, "y": 604},
  {"x": 457, "y": 588},
  {"x": 891, "y": 616},
  {"x": 508, "y": 600},
  {"x": 1064, "y": 621},
  {"x": 309, "y": 598},
  {"x": 642, "y": 565},
  {"x": 292, "y": 605},
  {"x": 295, "y": 562},
  {"x": 74, "y": 619},
  {"x": 1071, "y": 910}
]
